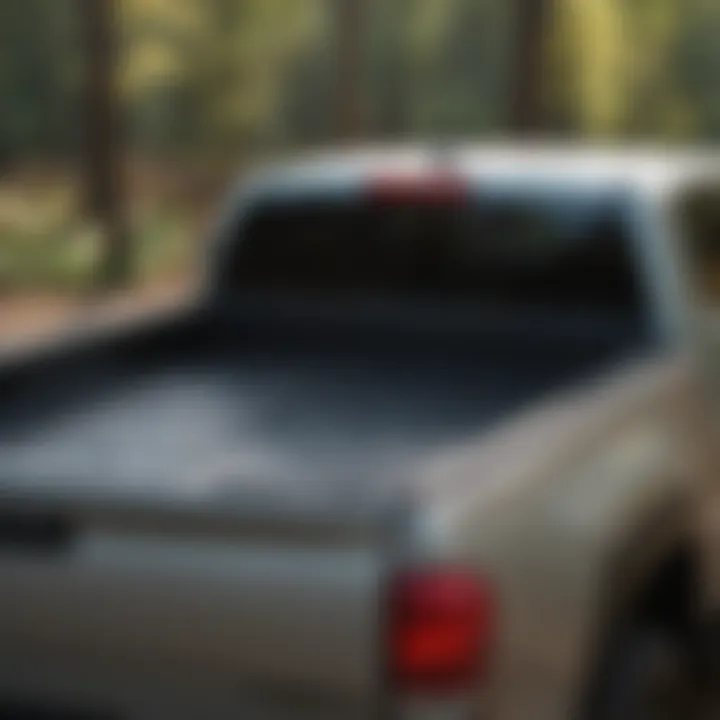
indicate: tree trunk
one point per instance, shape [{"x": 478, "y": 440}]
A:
[
  {"x": 349, "y": 40},
  {"x": 103, "y": 141},
  {"x": 529, "y": 112}
]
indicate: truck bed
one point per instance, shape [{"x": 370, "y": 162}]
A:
[
  {"x": 196, "y": 405},
  {"x": 179, "y": 608}
]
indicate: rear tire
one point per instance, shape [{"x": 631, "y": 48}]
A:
[{"x": 649, "y": 676}]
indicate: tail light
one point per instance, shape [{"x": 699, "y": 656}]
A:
[
  {"x": 441, "y": 627},
  {"x": 429, "y": 189}
]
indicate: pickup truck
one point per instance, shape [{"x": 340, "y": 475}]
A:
[{"x": 437, "y": 439}]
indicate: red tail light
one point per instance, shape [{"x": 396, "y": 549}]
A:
[
  {"x": 435, "y": 188},
  {"x": 441, "y": 625}
]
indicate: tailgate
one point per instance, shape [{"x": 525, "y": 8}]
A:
[{"x": 140, "y": 600}]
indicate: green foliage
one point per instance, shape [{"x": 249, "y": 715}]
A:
[
  {"x": 45, "y": 244},
  {"x": 228, "y": 78},
  {"x": 38, "y": 66},
  {"x": 221, "y": 65},
  {"x": 41, "y": 241},
  {"x": 462, "y": 67}
]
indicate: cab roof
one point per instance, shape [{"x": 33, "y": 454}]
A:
[{"x": 645, "y": 169}]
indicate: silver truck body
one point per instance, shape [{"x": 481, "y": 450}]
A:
[{"x": 249, "y": 581}]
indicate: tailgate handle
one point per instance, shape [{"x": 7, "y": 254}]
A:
[{"x": 35, "y": 531}]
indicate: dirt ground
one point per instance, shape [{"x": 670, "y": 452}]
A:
[{"x": 29, "y": 318}]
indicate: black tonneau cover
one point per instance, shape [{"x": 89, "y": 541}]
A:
[{"x": 216, "y": 401}]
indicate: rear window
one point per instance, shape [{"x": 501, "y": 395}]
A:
[{"x": 542, "y": 252}]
